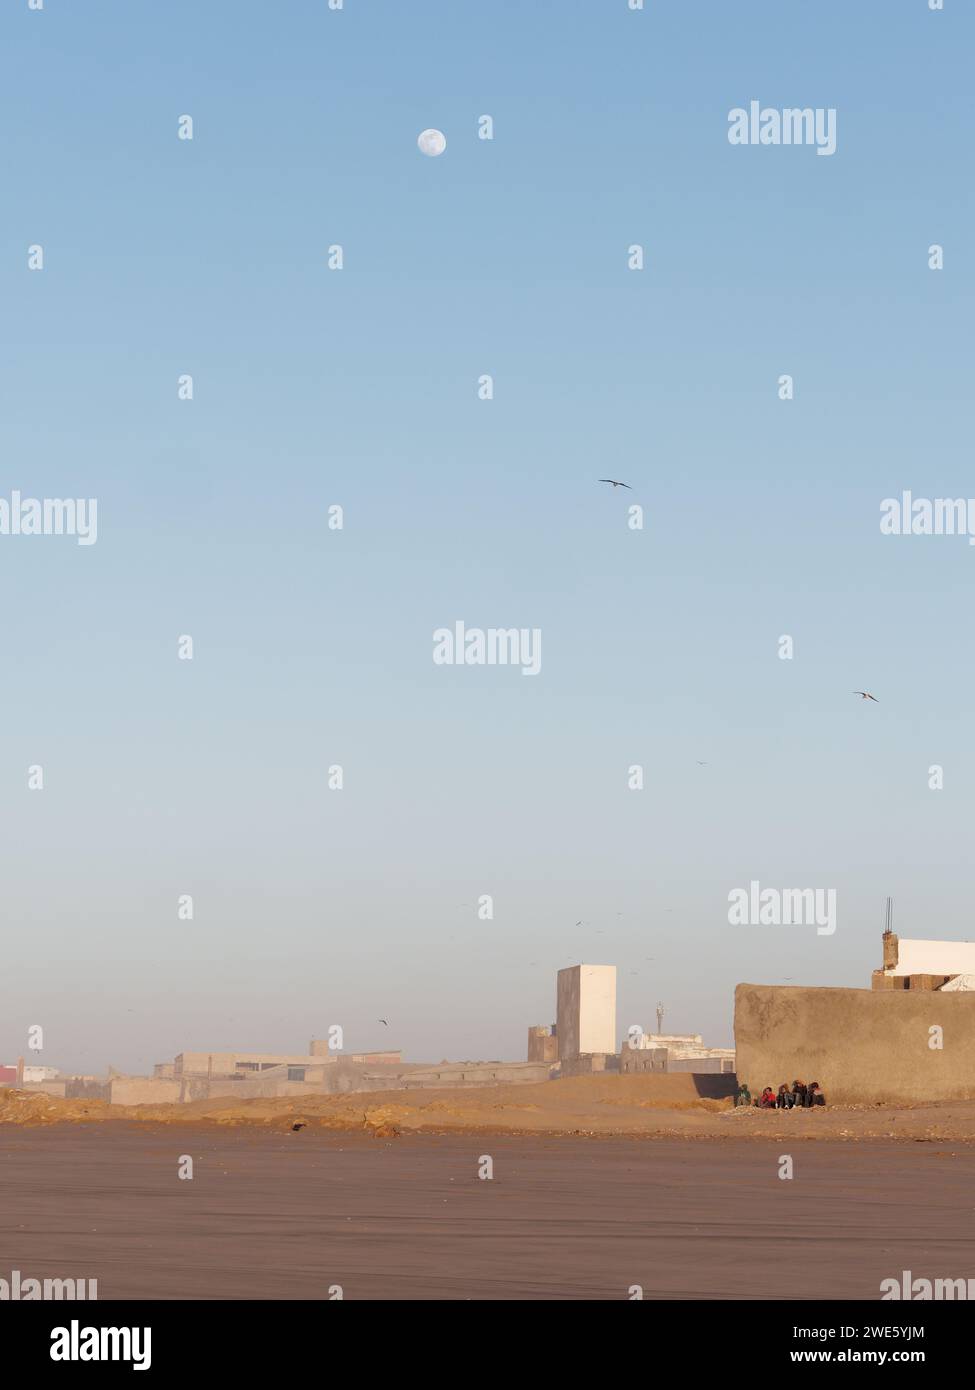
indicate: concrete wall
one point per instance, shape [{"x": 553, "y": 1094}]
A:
[
  {"x": 46, "y": 1088},
  {"x": 589, "y": 1063},
  {"x": 705, "y": 1066},
  {"x": 880, "y": 980},
  {"x": 861, "y": 1045},
  {"x": 229, "y": 1063},
  {"x": 87, "y": 1089},
  {"x": 586, "y": 1010},
  {"x": 318, "y": 1047},
  {"x": 142, "y": 1090},
  {"x": 478, "y": 1074},
  {"x": 642, "y": 1059}
]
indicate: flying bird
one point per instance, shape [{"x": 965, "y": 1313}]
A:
[
  {"x": 865, "y": 695},
  {"x": 382, "y": 1020},
  {"x": 614, "y": 482}
]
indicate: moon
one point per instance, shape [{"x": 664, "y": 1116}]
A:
[{"x": 431, "y": 142}]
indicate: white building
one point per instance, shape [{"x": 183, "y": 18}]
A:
[
  {"x": 914, "y": 957},
  {"x": 586, "y": 1010},
  {"x": 39, "y": 1073}
]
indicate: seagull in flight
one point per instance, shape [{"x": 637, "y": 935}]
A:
[
  {"x": 865, "y": 695},
  {"x": 382, "y": 1020},
  {"x": 614, "y": 482}
]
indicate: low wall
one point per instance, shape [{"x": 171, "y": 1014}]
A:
[
  {"x": 861, "y": 1045},
  {"x": 589, "y": 1063},
  {"x": 642, "y": 1059},
  {"x": 88, "y": 1090},
  {"x": 46, "y": 1088},
  {"x": 479, "y": 1074},
  {"x": 703, "y": 1066},
  {"x": 143, "y": 1090}
]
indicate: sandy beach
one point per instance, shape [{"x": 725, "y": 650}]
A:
[{"x": 271, "y": 1215}]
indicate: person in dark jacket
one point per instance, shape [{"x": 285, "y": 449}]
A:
[
  {"x": 783, "y": 1101},
  {"x": 816, "y": 1096},
  {"x": 798, "y": 1093}
]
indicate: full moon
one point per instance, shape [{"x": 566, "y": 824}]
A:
[{"x": 431, "y": 142}]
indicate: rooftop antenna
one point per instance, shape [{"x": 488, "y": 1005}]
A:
[
  {"x": 660, "y": 1018},
  {"x": 889, "y": 917}
]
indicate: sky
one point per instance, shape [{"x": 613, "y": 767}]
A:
[{"x": 358, "y": 388}]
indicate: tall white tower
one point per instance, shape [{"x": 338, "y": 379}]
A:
[{"x": 586, "y": 1010}]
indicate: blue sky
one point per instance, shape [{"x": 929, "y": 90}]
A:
[{"x": 313, "y": 388}]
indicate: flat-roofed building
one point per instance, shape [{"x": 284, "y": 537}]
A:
[
  {"x": 586, "y": 1011},
  {"x": 247, "y": 1065},
  {"x": 911, "y": 963}
]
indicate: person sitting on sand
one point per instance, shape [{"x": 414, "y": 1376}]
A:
[
  {"x": 783, "y": 1101},
  {"x": 798, "y": 1093},
  {"x": 815, "y": 1095},
  {"x": 744, "y": 1096},
  {"x": 767, "y": 1101}
]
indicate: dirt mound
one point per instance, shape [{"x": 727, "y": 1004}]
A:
[
  {"x": 639, "y": 1106},
  {"x": 35, "y": 1108}
]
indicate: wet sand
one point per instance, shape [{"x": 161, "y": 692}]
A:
[{"x": 287, "y": 1215}]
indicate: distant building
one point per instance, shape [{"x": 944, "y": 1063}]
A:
[
  {"x": 916, "y": 964},
  {"x": 586, "y": 1011},
  {"x": 247, "y": 1065},
  {"x": 674, "y": 1042},
  {"x": 672, "y": 1052},
  {"x": 319, "y": 1048},
  {"x": 543, "y": 1043},
  {"x": 40, "y": 1073}
]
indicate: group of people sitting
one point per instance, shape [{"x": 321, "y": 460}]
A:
[{"x": 800, "y": 1095}]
